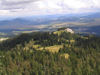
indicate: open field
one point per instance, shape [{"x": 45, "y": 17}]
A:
[{"x": 53, "y": 49}]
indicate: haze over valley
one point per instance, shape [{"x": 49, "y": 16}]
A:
[{"x": 87, "y": 23}]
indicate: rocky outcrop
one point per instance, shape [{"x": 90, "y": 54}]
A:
[{"x": 69, "y": 30}]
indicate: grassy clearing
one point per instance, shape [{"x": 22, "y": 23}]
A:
[
  {"x": 70, "y": 41},
  {"x": 27, "y": 45},
  {"x": 67, "y": 40},
  {"x": 31, "y": 43},
  {"x": 53, "y": 49},
  {"x": 37, "y": 46},
  {"x": 65, "y": 55},
  {"x": 85, "y": 37},
  {"x": 59, "y": 32}
]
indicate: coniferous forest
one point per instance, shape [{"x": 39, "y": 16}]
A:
[{"x": 83, "y": 55}]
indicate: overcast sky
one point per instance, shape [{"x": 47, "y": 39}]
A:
[{"x": 45, "y": 7}]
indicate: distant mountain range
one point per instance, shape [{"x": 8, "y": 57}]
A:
[
  {"x": 73, "y": 20},
  {"x": 38, "y": 20},
  {"x": 92, "y": 16}
]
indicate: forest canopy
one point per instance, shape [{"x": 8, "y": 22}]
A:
[{"x": 83, "y": 55}]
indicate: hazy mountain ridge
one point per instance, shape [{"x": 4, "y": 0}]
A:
[
  {"x": 47, "y": 19},
  {"x": 50, "y": 22},
  {"x": 95, "y": 15}
]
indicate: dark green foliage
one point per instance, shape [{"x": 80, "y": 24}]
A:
[
  {"x": 93, "y": 42},
  {"x": 68, "y": 36},
  {"x": 47, "y": 39},
  {"x": 63, "y": 28},
  {"x": 11, "y": 43}
]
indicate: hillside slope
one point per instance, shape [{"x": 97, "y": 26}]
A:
[{"x": 49, "y": 54}]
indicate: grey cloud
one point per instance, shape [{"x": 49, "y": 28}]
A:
[
  {"x": 10, "y": 3},
  {"x": 11, "y": 8}
]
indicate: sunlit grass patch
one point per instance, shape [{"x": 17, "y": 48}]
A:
[
  {"x": 65, "y": 55},
  {"x": 70, "y": 40},
  {"x": 59, "y": 32},
  {"x": 53, "y": 49},
  {"x": 31, "y": 43},
  {"x": 37, "y": 46}
]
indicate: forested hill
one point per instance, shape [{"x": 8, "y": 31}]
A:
[{"x": 56, "y": 53}]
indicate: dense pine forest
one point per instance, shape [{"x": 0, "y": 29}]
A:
[{"x": 30, "y": 54}]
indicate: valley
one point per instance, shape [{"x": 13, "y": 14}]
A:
[{"x": 25, "y": 25}]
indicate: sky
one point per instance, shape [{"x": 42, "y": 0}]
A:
[{"x": 47, "y": 7}]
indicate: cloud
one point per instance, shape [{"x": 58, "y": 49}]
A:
[
  {"x": 39, "y": 7},
  {"x": 16, "y": 2}
]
